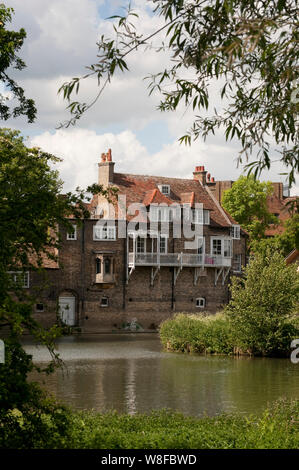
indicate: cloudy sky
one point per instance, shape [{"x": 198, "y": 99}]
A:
[{"x": 61, "y": 41}]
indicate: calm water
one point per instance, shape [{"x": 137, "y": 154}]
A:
[{"x": 130, "y": 373}]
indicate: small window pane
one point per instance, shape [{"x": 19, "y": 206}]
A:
[{"x": 107, "y": 264}]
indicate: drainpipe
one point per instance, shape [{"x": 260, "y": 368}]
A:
[
  {"x": 82, "y": 271},
  {"x": 172, "y": 280},
  {"x": 126, "y": 260}
]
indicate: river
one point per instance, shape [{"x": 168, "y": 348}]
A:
[{"x": 131, "y": 373}]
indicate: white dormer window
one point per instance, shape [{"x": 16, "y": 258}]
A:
[
  {"x": 165, "y": 189},
  {"x": 73, "y": 234},
  {"x": 235, "y": 232}
]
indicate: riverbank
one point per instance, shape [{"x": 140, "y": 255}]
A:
[{"x": 59, "y": 427}]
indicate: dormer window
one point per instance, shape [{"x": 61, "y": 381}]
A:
[
  {"x": 165, "y": 189},
  {"x": 235, "y": 232}
]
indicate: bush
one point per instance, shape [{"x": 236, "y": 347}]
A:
[
  {"x": 263, "y": 306},
  {"x": 58, "y": 427},
  {"x": 197, "y": 333}
]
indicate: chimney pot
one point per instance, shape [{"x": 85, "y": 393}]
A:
[
  {"x": 106, "y": 169},
  {"x": 213, "y": 179},
  {"x": 208, "y": 176}
]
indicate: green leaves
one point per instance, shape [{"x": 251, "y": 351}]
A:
[
  {"x": 10, "y": 43},
  {"x": 246, "y": 201},
  {"x": 252, "y": 46}
]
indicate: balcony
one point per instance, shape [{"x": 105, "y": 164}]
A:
[{"x": 178, "y": 260}]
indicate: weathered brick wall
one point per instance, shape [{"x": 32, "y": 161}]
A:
[{"x": 137, "y": 299}]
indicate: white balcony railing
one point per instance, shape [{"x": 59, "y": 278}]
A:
[{"x": 178, "y": 259}]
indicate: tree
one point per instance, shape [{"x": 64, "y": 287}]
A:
[
  {"x": 248, "y": 48},
  {"x": 262, "y": 304},
  {"x": 284, "y": 242},
  {"x": 10, "y": 43},
  {"x": 246, "y": 201},
  {"x": 31, "y": 210}
]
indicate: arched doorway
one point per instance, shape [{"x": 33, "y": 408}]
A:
[{"x": 67, "y": 308}]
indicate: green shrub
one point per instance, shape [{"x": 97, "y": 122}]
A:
[
  {"x": 58, "y": 427},
  {"x": 197, "y": 333},
  {"x": 262, "y": 306}
]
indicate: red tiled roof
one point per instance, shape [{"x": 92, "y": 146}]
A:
[
  {"x": 144, "y": 189},
  {"x": 292, "y": 257}
]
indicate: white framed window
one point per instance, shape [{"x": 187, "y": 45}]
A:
[
  {"x": 200, "y": 302},
  {"x": 201, "y": 245},
  {"x": 73, "y": 234},
  {"x": 20, "y": 278},
  {"x": 235, "y": 232},
  {"x": 140, "y": 245},
  {"x": 104, "y": 232},
  {"x": 164, "y": 188},
  {"x": 237, "y": 263},
  {"x": 200, "y": 216},
  {"x": 104, "y": 302},
  {"x": 163, "y": 244},
  {"x": 221, "y": 246}
]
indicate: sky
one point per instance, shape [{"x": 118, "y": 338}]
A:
[{"x": 61, "y": 42}]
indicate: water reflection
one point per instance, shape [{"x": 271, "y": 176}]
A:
[{"x": 129, "y": 373}]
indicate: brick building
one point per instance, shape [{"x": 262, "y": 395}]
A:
[{"x": 129, "y": 263}]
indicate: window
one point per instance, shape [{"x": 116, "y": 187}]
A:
[
  {"x": 98, "y": 266},
  {"x": 164, "y": 188},
  {"x": 107, "y": 266},
  {"x": 140, "y": 247},
  {"x": 104, "y": 302},
  {"x": 217, "y": 246},
  {"x": 39, "y": 307},
  {"x": 200, "y": 216},
  {"x": 21, "y": 279},
  {"x": 237, "y": 263},
  {"x": 227, "y": 248},
  {"x": 201, "y": 245},
  {"x": 104, "y": 232},
  {"x": 221, "y": 246},
  {"x": 235, "y": 232},
  {"x": 73, "y": 234},
  {"x": 163, "y": 244},
  {"x": 201, "y": 302},
  {"x": 104, "y": 268}
]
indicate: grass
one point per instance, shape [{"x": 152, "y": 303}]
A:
[
  {"x": 277, "y": 428},
  {"x": 198, "y": 333}
]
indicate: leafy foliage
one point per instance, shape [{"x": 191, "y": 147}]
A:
[
  {"x": 10, "y": 43},
  {"x": 58, "y": 427},
  {"x": 284, "y": 242},
  {"x": 197, "y": 333},
  {"x": 248, "y": 48},
  {"x": 31, "y": 211},
  {"x": 262, "y": 305},
  {"x": 246, "y": 201}
]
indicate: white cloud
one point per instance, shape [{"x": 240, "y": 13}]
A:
[
  {"x": 61, "y": 40},
  {"x": 81, "y": 150}
]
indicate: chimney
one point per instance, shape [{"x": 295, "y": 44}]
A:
[
  {"x": 106, "y": 169},
  {"x": 200, "y": 174}
]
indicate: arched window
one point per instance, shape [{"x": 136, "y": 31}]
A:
[
  {"x": 98, "y": 266},
  {"x": 107, "y": 266}
]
